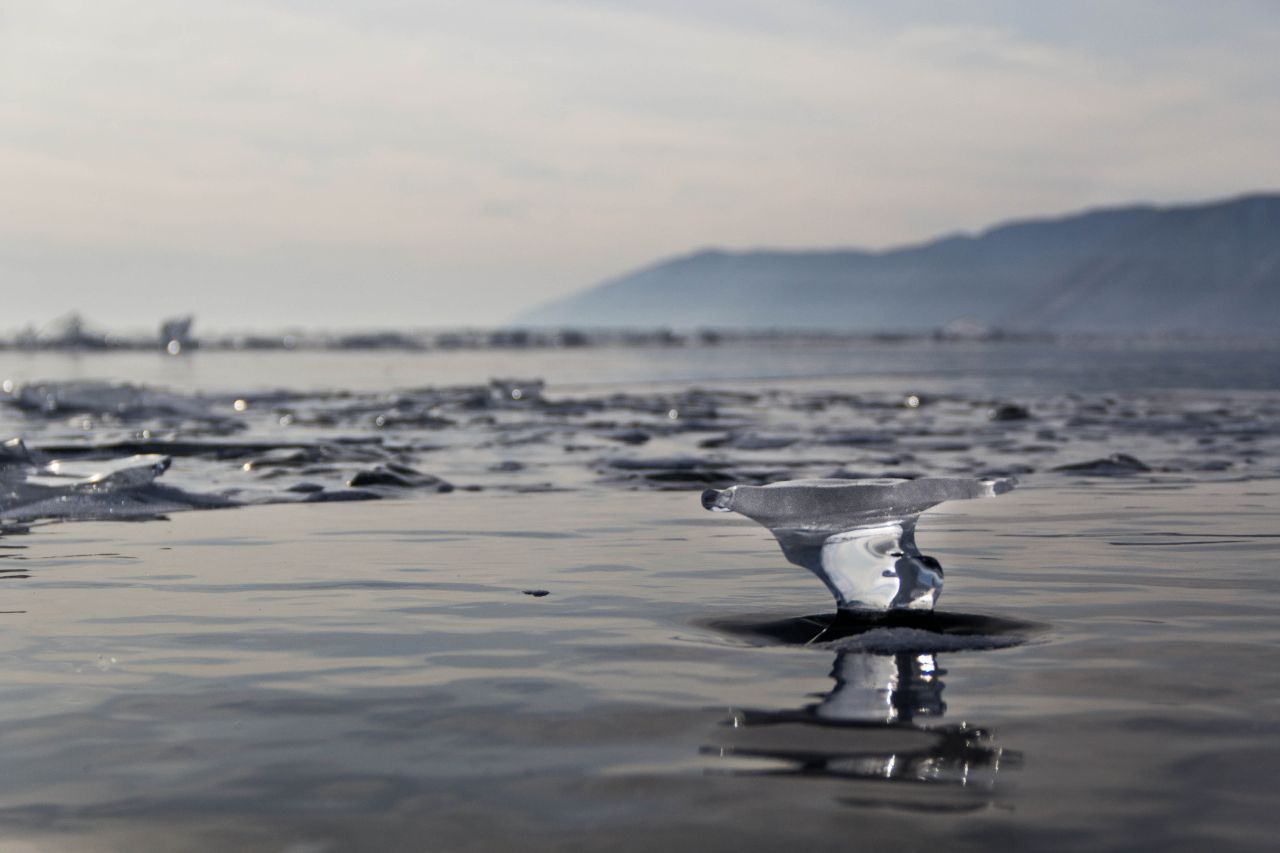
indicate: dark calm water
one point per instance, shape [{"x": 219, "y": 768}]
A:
[{"x": 1102, "y": 672}]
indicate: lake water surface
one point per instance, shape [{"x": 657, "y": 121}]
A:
[{"x": 1103, "y": 671}]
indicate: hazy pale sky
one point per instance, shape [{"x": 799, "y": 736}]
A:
[{"x": 396, "y": 163}]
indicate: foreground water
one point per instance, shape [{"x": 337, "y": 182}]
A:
[{"x": 603, "y": 664}]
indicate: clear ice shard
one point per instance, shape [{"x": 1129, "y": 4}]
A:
[
  {"x": 857, "y": 536},
  {"x": 33, "y": 488}
]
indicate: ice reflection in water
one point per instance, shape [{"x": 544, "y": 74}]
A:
[{"x": 874, "y": 726}]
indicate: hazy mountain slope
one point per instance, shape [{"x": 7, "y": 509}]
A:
[
  {"x": 1215, "y": 267},
  {"x": 1126, "y": 268}
]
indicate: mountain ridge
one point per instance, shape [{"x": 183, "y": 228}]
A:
[{"x": 1142, "y": 267}]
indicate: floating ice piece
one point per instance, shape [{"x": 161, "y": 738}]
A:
[
  {"x": 175, "y": 335},
  {"x": 101, "y": 476},
  {"x": 857, "y": 536},
  {"x": 1115, "y": 465},
  {"x": 119, "y": 400},
  {"x": 84, "y": 489},
  {"x": 399, "y": 476},
  {"x": 507, "y": 391}
]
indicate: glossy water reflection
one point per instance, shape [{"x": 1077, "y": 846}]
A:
[
  {"x": 334, "y": 676},
  {"x": 877, "y": 724},
  {"x": 881, "y": 721}
]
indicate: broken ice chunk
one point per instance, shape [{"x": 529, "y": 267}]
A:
[
  {"x": 857, "y": 536},
  {"x": 840, "y": 505}
]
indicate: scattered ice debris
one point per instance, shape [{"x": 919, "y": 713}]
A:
[
  {"x": 626, "y": 436},
  {"x": 106, "y": 476},
  {"x": 673, "y": 472},
  {"x": 176, "y": 337},
  {"x": 665, "y": 463},
  {"x": 507, "y": 391},
  {"x": 845, "y": 474},
  {"x": 750, "y": 441},
  {"x": 68, "y": 332},
  {"x": 1009, "y": 412},
  {"x": 857, "y": 536},
  {"x": 1115, "y": 465},
  {"x": 339, "y": 495},
  {"x": 400, "y": 476},
  {"x": 478, "y": 436},
  {"x": 379, "y": 341},
  {"x": 855, "y": 438},
  {"x": 115, "y": 401},
  {"x": 14, "y": 451}
]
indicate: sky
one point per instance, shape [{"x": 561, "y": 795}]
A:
[{"x": 388, "y": 163}]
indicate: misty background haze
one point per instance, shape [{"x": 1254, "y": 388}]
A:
[{"x": 403, "y": 164}]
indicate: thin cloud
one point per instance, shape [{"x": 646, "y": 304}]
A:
[{"x": 511, "y": 151}]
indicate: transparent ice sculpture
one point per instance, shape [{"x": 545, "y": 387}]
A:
[{"x": 857, "y": 536}]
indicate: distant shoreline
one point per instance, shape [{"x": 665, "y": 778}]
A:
[{"x": 567, "y": 338}]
